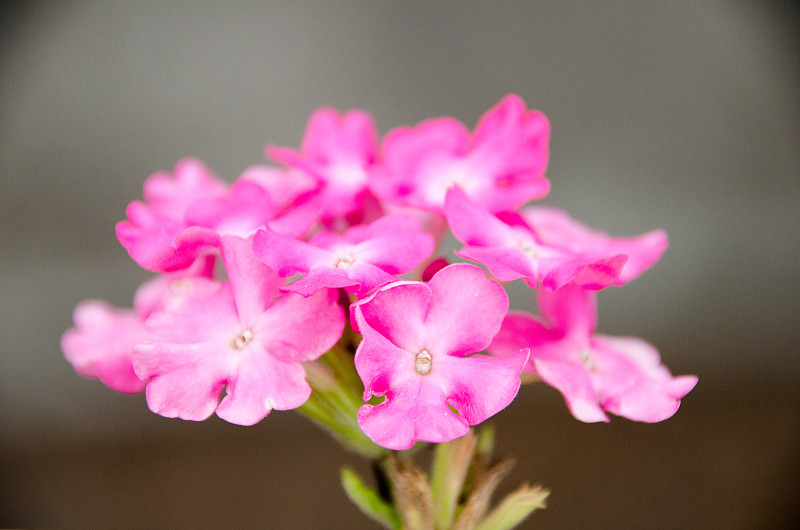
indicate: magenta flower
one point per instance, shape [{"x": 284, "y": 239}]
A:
[
  {"x": 242, "y": 336},
  {"x": 416, "y": 351},
  {"x": 501, "y": 164},
  {"x": 514, "y": 250},
  {"x": 338, "y": 151},
  {"x": 364, "y": 258},
  {"x": 594, "y": 373}
]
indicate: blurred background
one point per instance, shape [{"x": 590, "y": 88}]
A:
[{"x": 681, "y": 115}]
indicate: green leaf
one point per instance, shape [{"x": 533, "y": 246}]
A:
[{"x": 369, "y": 502}]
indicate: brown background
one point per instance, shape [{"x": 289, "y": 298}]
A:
[{"x": 680, "y": 115}]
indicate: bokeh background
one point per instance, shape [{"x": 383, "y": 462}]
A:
[{"x": 682, "y": 115}]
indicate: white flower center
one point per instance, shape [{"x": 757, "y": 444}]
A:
[
  {"x": 243, "y": 339},
  {"x": 529, "y": 248},
  {"x": 587, "y": 360},
  {"x": 422, "y": 362},
  {"x": 345, "y": 262}
]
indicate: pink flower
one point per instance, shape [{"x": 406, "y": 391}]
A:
[
  {"x": 338, "y": 151},
  {"x": 153, "y": 234},
  {"x": 364, "y": 258},
  {"x": 241, "y": 336},
  {"x": 416, "y": 351},
  {"x": 101, "y": 343},
  {"x": 512, "y": 250},
  {"x": 594, "y": 373},
  {"x": 184, "y": 217},
  {"x": 501, "y": 164},
  {"x": 556, "y": 229}
]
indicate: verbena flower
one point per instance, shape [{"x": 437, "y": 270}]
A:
[
  {"x": 501, "y": 164},
  {"x": 595, "y": 373},
  {"x": 338, "y": 151},
  {"x": 363, "y": 258},
  {"x": 242, "y": 336},
  {"x": 416, "y": 352}
]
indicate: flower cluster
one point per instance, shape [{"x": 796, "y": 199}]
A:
[{"x": 335, "y": 247}]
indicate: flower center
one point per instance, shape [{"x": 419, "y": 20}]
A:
[
  {"x": 243, "y": 339},
  {"x": 587, "y": 360},
  {"x": 529, "y": 248},
  {"x": 422, "y": 362},
  {"x": 345, "y": 262}
]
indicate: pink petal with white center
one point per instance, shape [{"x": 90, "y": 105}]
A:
[
  {"x": 416, "y": 338},
  {"x": 199, "y": 319},
  {"x": 633, "y": 383},
  {"x": 413, "y": 409},
  {"x": 261, "y": 383},
  {"x": 514, "y": 251},
  {"x": 101, "y": 343},
  {"x": 466, "y": 310},
  {"x": 555, "y": 227},
  {"x": 150, "y": 295}
]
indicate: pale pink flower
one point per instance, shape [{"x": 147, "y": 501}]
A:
[
  {"x": 242, "y": 336},
  {"x": 418, "y": 341},
  {"x": 102, "y": 342},
  {"x": 594, "y": 373},
  {"x": 512, "y": 250},
  {"x": 501, "y": 164},
  {"x": 364, "y": 258}
]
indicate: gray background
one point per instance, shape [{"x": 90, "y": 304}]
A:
[{"x": 681, "y": 115}]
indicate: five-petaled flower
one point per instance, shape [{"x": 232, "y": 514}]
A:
[
  {"x": 595, "y": 373},
  {"x": 240, "y": 335},
  {"x": 417, "y": 352}
]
